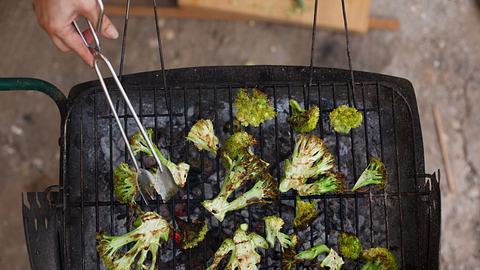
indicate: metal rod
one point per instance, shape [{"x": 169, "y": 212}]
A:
[
  {"x": 312, "y": 53},
  {"x": 124, "y": 39},
  {"x": 347, "y": 41}
]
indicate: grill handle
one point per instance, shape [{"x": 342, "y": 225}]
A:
[{"x": 32, "y": 84}]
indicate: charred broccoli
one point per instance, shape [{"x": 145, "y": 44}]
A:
[
  {"x": 273, "y": 225},
  {"x": 374, "y": 174},
  {"x": 310, "y": 160},
  {"x": 125, "y": 184},
  {"x": 379, "y": 258},
  {"x": 344, "y": 118},
  {"x": 243, "y": 248},
  {"x": 330, "y": 182},
  {"x": 265, "y": 190},
  {"x": 349, "y": 245},
  {"x": 242, "y": 167},
  {"x": 253, "y": 109},
  {"x": 332, "y": 260},
  {"x": 192, "y": 233},
  {"x": 145, "y": 239},
  {"x": 305, "y": 212},
  {"x": 203, "y": 136},
  {"x": 303, "y": 121},
  {"x": 179, "y": 172}
]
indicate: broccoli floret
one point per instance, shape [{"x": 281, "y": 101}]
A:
[
  {"x": 243, "y": 248},
  {"x": 305, "y": 212},
  {"x": 145, "y": 239},
  {"x": 237, "y": 144},
  {"x": 179, "y": 172},
  {"x": 264, "y": 191},
  {"x": 349, "y": 245},
  {"x": 273, "y": 225},
  {"x": 379, "y": 258},
  {"x": 310, "y": 158},
  {"x": 192, "y": 233},
  {"x": 203, "y": 136},
  {"x": 374, "y": 174},
  {"x": 303, "y": 121},
  {"x": 330, "y": 182},
  {"x": 333, "y": 261},
  {"x": 312, "y": 253},
  {"x": 253, "y": 109},
  {"x": 125, "y": 184},
  {"x": 344, "y": 118},
  {"x": 242, "y": 167}
]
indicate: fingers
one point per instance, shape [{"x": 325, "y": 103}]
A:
[
  {"x": 73, "y": 40},
  {"x": 60, "y": 44}
]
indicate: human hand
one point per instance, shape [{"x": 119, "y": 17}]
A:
[{"x": 56, "y": 17}]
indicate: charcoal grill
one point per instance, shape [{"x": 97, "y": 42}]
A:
[{"x": 61, "y": 222}]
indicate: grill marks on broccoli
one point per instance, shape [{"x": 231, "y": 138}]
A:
[
  {"x": 146, "y": 237},
  {"x": 243, "y": 248},
  {"x": 308, "y": 171},
  {"x": 242, "y": 167}
]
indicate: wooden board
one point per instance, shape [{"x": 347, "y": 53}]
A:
[
  {"x": 329, "y": 11},
  {"x": 205, "y": 14}
]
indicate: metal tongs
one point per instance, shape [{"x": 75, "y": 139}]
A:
[{"x": 162, "y": 182}]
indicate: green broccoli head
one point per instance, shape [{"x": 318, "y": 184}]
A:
[
  {"x": 273, "y": 227},
  {"x": 203, "y": 136},
  {"x": 310, "y": 158},
  {"x": 379, "y": 258},
  {"x": 145, "y": 239},
  {"x": 237, "y": 145},
  {"x": 333, "y": 261},
  {"x": 374, "y": 174},
  {"x": 349, "y": 245},
  {"x": 178, "y": 171},
  {"x": 344, "y": 118},
  {"x": 253, "y": 109},
  {"x": 303, "y": 121},
  {"x": 305, "y": 213},
  {"x": 125, "y": 184},
  {"x": 327, "y": 183},
  {"x": 243, "y": 247},
  {"x": 193, "y": 234},
  {"x": 139, "y": 144}
]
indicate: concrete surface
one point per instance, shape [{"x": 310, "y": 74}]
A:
[{"x": 436, "y": 48}]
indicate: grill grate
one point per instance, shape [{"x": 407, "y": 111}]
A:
[{"x": 403, "y": 217}]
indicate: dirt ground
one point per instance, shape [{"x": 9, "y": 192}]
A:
[{"x": 436, "y": 49}]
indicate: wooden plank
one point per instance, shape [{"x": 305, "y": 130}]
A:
[
  {"x": 442, "y": 142},
  {"x": 329, "y": 12},
  {"x": 205, "y": 14}
]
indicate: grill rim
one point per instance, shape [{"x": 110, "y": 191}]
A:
[{"x": 184, "y": 76}]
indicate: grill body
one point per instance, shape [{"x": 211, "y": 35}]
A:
[{"x": 405, "y": 217}]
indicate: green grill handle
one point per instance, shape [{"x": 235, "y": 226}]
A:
[{"x": 31, "y": 84}]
